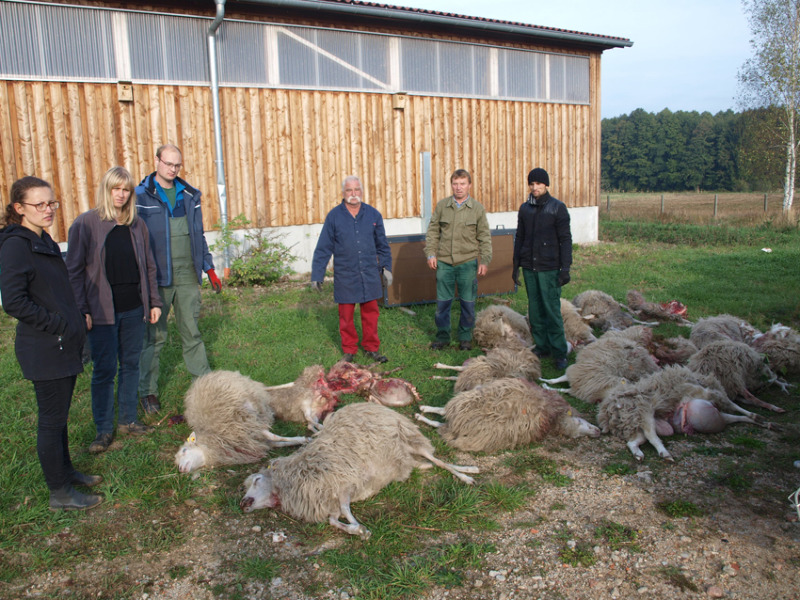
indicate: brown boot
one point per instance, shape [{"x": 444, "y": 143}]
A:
[{"x": 150, "y": 404}]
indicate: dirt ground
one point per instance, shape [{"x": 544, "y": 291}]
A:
[{"x": 745, "y": 545}]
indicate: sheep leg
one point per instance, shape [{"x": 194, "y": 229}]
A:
[
  {"x": 784, "y": 385},
  {"x": 754, "y": 418},
  {"x": 634, "y": 443},
  {"x": 456, "y": 470},
  {"x": 282, "y": 386},
  {"x": 427, "y": 421},
  {"x": 562, "y": 390},
  {"x": 447, "y": 378},
  {"x": 353, "y": 527},
  {"x": 749, "y": 398},
  {"x": 562, "y": 379},
  {"x": 437, "y": 410},
  {"x": 278, "y": 440},
  {"x": 451, "y": 367},
  {"x": 649, "y": 431}
]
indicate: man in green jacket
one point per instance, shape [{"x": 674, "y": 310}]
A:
[{"x": 459, "y": 248}]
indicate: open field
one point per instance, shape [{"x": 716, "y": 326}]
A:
[
  {"x": 732, "y": 208},
  {"x": 566, "y": 519}
]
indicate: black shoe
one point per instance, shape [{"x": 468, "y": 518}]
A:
[
  {"x": 133, "y": 429},
  {"x": 101, "y": 443},
  {"x": 68, "y": 498},
  {"x": 439, "y": 345},
  {"x": 375, "y": 356},
  {"x": 465, "y": 345},
  {"x": 560, "y": 363},
  {"x": 347, "y": 357},
  {"x": 150, "y": 404},
  {"x": 85, "y": 480}
]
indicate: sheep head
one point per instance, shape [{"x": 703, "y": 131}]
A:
[
  {"x": 190, "y": 456},
  {"x": 259, "y": 492}
]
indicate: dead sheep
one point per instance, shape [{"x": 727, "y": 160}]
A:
[
  {"x": 576, "y": 327},
  {"x": 781, "y": 344},
  {"x": 666, "y": 351},
  {"x": 362, "y": 448},
  {"x": 721, "y": 327},
  {"x": 505, "y": 414},
  {"x": 673, "y": 400},
  {"x": 739, "y": 368},
  {"x": 497, "y": 363},
  {"x": 500, "y": 325},
  {"x": 231, "y": 417},
  {"x": 604, "y": 364},
  {"x": 602, "y": 310},
  {"x": 672, "y": 311},
  {"x": 308, "y": 399}
]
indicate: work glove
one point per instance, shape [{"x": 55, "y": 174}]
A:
[
  {"x": 563, "y": 277},
  {"x": 387, "y": 277},
  {"x": 216, "y": 284},
  {"x": 515, "y": 274},
  {"x": 316, "y": 286}
]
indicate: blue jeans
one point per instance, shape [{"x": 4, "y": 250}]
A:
[
  {"x": 464, "y": 278},
  {"x": 120, "y": 343}
]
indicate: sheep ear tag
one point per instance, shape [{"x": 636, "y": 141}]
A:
[{"x": 192, "y": 438}]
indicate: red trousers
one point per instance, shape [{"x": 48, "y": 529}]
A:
[{"x": 369, "y": 327}]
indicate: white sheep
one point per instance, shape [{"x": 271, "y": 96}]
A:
[
  {"x": 666, "y": 351},
  {"x": 576, "y": 326},
  {"x": 499, "y": 325},
  {"x": 739, "y": 368},
  {"x": 604, "y": 364},
  {"x": 721, "y": 327},
  {"x": 231, "y": 417},
  {"x": 781, "y": 344},
  {"x": 497, "y": 363},
  {"x": 602, "y": 310},
  {"x": 362, "y": 448},
  {"x": 673, "y": 400},
  {"x": 504, "y": 414}
]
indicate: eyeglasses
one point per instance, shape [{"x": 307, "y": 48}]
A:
[
  {"x": 43, "y": 206},
  {"x": 169, "y": 165}
]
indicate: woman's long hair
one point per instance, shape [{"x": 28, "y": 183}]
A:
[
  {"x": 19, "y": 191},
  {"x": 116, "y": 177}
]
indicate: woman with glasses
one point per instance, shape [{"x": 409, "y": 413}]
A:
[
  {"x": 113, "y": 277},
  {"x": 35, "y": 287}
]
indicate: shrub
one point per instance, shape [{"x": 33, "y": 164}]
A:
[{"x": 257, "y": 258}]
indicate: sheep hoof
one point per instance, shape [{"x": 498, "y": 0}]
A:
[{"x": 364, "y": 533}]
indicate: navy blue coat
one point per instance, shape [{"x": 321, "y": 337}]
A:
[
  {"x": 360, "y": 251},
  {"x": 36, "y": 291}
]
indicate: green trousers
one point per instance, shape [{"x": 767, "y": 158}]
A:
[
  {"x": 186, "y": 300},
  {"x": 464, "y": 277},
  {"x": 544, "y": 312}
]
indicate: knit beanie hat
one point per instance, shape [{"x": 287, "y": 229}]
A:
[{"x": 539, "y": 175}]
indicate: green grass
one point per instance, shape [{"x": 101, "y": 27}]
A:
[{"x": 426, "y": 531}]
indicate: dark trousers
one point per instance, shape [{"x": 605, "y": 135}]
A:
[
  {"x": 544, "y": 311},
  {"x": 52, "y": 444}
]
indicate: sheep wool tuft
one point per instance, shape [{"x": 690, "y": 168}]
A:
[
  {"x": 576, "y": 328},
  {"x": 606, "y": 313},
  {"x": 500, "y": 325},
  {"x": 496, "y": 364},
  {"x": 721, "y": 328}
]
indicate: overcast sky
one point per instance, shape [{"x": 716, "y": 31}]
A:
[{"x": 685, "y": 53}]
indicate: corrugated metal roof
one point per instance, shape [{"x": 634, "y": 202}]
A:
[{"x": 421, "y": 14}]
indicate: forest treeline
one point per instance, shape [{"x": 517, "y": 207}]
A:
[{"x": 679, "y": 151}]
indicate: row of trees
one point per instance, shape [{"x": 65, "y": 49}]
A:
[{"x": 679, "y": 151}]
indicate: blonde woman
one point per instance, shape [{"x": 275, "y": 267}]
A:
[{"x": 113, "y": 277}]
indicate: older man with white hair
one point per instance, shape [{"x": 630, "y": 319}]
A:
[{"x": 354, "y": 235}]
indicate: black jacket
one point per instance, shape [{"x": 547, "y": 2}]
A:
[
  {"x": 36, "y": 291},
  {"x": 543, "y": 241}
]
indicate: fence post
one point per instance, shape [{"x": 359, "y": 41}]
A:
[
  {"x": 662, "y": 204},
  {"x": 765, "y": 202},
  {"x": 608, "y": 203},
  {"x": 716, "y": 200}
]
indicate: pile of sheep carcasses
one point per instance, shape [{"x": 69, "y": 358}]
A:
[{"x": 645, "y": 387}]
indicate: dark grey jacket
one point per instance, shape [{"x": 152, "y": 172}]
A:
[
  {"x": 35, "y": 290},
  {"x": 543, "y": 241},
  {"x": 86, "y": 263}
]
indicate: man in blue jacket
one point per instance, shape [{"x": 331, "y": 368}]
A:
[
  {"x": 543, "y": 248},
  {"x": 353, "y": 233},
  {"x": 170, "y": 208}
]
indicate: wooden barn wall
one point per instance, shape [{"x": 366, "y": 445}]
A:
[{"x": 286, "y": 151}]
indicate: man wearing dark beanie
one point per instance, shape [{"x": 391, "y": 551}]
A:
[{"x": 543, "y": 248}]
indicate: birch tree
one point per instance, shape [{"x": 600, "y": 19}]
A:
[{"x": 772, "y": 76}]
